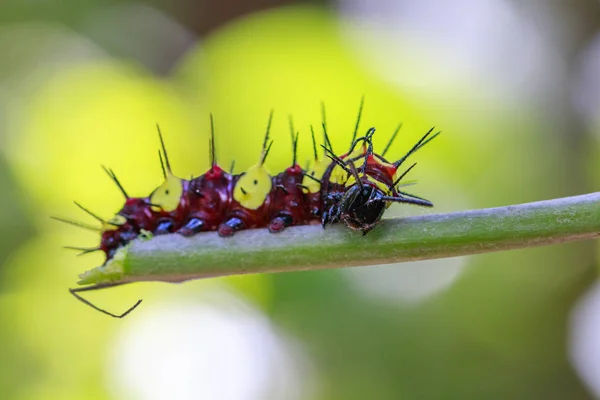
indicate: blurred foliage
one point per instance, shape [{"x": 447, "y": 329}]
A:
[
  {"x": 498, "y": 332},
  {"x": 69, "y": 13},
  {"x": 12, "y": 214}
]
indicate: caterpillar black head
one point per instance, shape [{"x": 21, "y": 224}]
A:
[
  {"x": 361, "y": 207},
  {"x": 373, "y": 187}
]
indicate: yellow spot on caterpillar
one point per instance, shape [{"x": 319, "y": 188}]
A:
[
  {"x": 359, "y": 151},
  {"x": 166, "y": 197},
  {"x": 317, "y": 172},
  {"x": 380, "y": 185},
  {"x": 253, "y": 187},
  {"x": 115, "y": 222},
  {"x": 338, "y": 174}
]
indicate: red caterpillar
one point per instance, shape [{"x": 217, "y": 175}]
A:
[{"x": 355, "y": 188}]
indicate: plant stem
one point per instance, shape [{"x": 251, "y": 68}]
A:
[{"x": 173, "y": 258}]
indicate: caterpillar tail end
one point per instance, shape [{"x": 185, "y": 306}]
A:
[{"x": 110, "y": 272}]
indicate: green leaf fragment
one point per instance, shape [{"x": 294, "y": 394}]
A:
[
  {"x": 111, "y": 271},
  {"x": 145, "y": 235}
]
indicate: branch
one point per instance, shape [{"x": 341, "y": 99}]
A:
[{"x": 173, "y": 258}]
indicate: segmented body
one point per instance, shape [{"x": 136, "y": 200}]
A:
[{"x": 210, "y": 203}]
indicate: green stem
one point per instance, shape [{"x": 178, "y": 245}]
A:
[{"x": 172, "y": 258}]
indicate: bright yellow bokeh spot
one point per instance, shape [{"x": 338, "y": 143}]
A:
[
  {"x": 257, "y": 288},
  {"x": 116, "y": 221},
  {"x": 90, "y": 115},
  {"x": 58, "y": 329},
  {"x": 288, "y": 59},
  {"x": 317, "y": 171}
]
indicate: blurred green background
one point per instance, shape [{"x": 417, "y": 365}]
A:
[{"x": 514, "y": 85}]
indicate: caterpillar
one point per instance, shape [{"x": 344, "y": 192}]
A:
[{"x": 354, "y": 188}]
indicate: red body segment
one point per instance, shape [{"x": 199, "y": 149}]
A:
[
  {"x": 210, "y": 197},
  {"x": 288, "y": 204},
  {"x": 237, "y": 217},
  {"x": 381, "y": 170},
  {"x": 139, "y": 213}
]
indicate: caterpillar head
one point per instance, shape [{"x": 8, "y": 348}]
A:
[{"x": 362, "y": 207}]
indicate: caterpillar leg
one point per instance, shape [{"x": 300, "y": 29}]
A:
[
  {"x": 231, "y": 226},
  {"x": 280, "y": 222},
  {"x": 164, "y": 227},
  {"x": 75, "y": 292},
  {"x": 330, "y": 216},
  {"x": 324, "y": 219},
  {"x": 193, "y": 226}
]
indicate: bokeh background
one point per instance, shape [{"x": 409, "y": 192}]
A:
[{"x": 514, "y": 85}]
